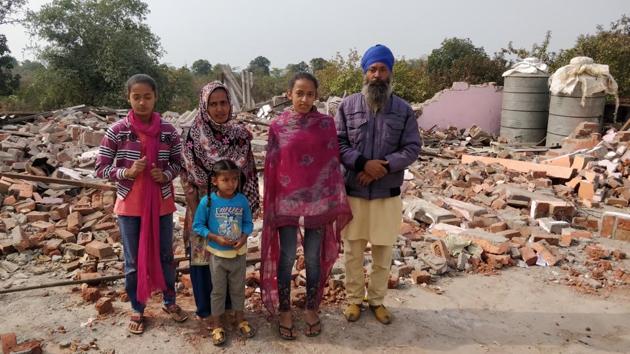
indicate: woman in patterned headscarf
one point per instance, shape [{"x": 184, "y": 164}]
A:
[{"x": 213, "y": 136}]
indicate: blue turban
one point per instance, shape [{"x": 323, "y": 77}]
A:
[{"x": 377, "y": 54}]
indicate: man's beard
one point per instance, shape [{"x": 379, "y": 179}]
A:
[{"x": 376, "y": 92}]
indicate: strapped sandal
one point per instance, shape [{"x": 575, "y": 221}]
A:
[
  {"x": 218, "y": 336},
  {"x": 382, "y": 314},
  {"x": 352, "y": 313},
  {"x": 291, "y": 336},
  {"x": 246, "y": 330},
  {"x": 136, "y": 324},
  {"x": 310, "y": 332},
  {"x": 176, "y": 312}
]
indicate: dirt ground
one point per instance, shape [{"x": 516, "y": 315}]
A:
[{"x": 517, "y": 311}]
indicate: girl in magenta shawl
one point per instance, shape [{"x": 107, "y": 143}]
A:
[{"x": 302, "y": 179}]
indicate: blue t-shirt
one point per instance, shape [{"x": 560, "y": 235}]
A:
[{"x": 229, "y": 218}]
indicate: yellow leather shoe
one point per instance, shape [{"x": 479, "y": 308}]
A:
[
  {"x": 352, "y": 312},
  {"x": 382, "y": 314}
]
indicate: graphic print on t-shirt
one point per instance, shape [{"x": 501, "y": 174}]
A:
[{"x": 229, "y": 219}]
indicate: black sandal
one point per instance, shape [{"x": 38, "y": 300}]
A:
[
  {"x": 287, "y": 329},
  {"x": 310, "y": 332}
]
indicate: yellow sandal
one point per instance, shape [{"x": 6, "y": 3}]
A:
[
  {"x": 246, "y": 330},
  {"x": 218, "y": 336},
  {"x": 382, "y": 314},
  {"x": 352, "y": 312}
]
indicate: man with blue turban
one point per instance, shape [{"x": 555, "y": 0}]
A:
[{"x": 378, "y": 138}]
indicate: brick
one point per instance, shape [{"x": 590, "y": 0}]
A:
[
  {"x": 90, "y": 294},
  {"x": 104, "y": 305},
  {"x": 574, "y": 182},
  {"x": 425, "y": 211},
  {"x": 564, "y": 161},
  {"x": 467, "y": 210},
  {"x": 421, "y": 277},
  {"x": 71, "y": 266},
  {"x": 4, "y": 186},
  {"x": 65, "y": 235},
  {"x": 509, "y": 233},
  {"x": 73, "y": 250},
  {"x": 404, "y": 270},
  {"x": 62, "y": 209},
  {"x": 439, "y": 249},
  {"x": 84, "y": 238},
  {"x": 545, "y": 252},
  {"x": 29, "y": 347},
  {"x": 43, "y": 226},
  {"x": 552, "y": 226},
  {"x": 9, "y": 340},
  {"x": 52, "y": 246},
  {"x": 499, "y": 204},
  {"x": 489, "y": 242},
  {"x": 565, "y": 240},
  {"x": 25, "y": 206},
  {"x": 89, "y": 276},
  {"x": 186, "y": 281},
  {"x": 104, "y": 226},
  {"x": 22, "y": 190},
  {"x": 586, "y": 190},
  {"x": 497, "y": 227},
  {"x": 580, "y": 161},
  {"x": 498, "y": 261},
  {"x": 91, "y": 138},
  {"x": 615, "y": 225},
  {"x": 6, "y": 247},
  {"x": 538, "y": 235},
  {"x": 20, "y": 242},
  {"x": 99, "y": 249},
  {"x": 393, "y": 281},
  {"x": 574, "y": 233},
  {"x": 618, "y": 202},
  {"x": 586, "y": 222},
  {"x": 528, "y": 255},
  {"x": 9, "y": 200},
  {"x": 74, "y": 221}
]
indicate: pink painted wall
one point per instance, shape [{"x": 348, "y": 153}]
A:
[{"x": 464, "y": 105}]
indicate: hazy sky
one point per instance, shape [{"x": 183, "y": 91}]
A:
[{"x": 237, "y": 31}]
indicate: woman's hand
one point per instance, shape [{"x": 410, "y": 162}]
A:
[
  {"x": 158, "y": 175},
  {"x": 137, "y": 168}
]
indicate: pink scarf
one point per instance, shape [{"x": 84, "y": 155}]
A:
[
  {"x": 302, "y": 178},
  {"x": 150, "y": 276}
]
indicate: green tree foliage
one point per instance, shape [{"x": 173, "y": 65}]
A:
[
  {"x": 201, "y": 67},
  {"x": 8, "y": 8},
  {"x": 610, "y": 47},
  {"x": 459, "y": 60},
  {"x": 260, "y": 66},
  {"x": 411, "y": 80},
  {"x": 317, "y": 64},
  {"x": 300, "y": 67},
  {"x": 93, "y": 47},
  {"x": 341, "y": 75},
  {"x": 540, "y": 51},
  {"x": 177, "y": 91},
  {"x": 8, "y": 81}
]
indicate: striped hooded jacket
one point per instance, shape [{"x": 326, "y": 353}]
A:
[{"x": 120, "y": 147}]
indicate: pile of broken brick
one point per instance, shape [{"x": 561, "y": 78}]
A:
[{"x": 475, "y": 208}]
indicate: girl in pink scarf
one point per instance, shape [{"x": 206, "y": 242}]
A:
[
  {"x": 142, "y": 154},
  {"x": 302, "y": 179}
]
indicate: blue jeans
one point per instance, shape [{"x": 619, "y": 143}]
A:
[
  {"x": 130, "y": 234},
  {"x": 288, "y": 247}
]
